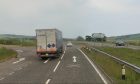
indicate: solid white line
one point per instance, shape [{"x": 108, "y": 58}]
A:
[
  {"x": 46, "y": 61},
  {"x": 11, "y": 73},
  {"x": 2, "y": 78},
  {"x": 47, "y": 82},
  {"x": 103, "y": 79},
  {"x": 56, "y": 66}
]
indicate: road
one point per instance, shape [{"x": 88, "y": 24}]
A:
[{"x": 71, "y": 68}]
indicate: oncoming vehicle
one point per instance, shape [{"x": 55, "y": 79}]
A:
[
  {"x": 69, "y": 44},
  {"x": 49, "y": 43},
  {"x": 120, "y": 43}
]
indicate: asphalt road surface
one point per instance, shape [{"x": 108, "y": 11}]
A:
[{"x": 71, "y": 68}]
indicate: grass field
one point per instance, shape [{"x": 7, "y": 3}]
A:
[
  {"x": 134, "y": 42},
  {"x": 7, "y": 54},
  {"x": 129, "y": 55},
  {"x": 16, "y": 41},
  {"x": 113, "y": 69}
]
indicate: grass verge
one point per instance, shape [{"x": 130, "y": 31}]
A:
[
  {"x": 16, "y": 41},
  {"x": 7, "y": 54},
  {"x": 129, "y": 55},
  {"x": 112, "y": 68}
]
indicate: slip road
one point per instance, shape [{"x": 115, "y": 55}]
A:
[{"x": 64, "y": 70}]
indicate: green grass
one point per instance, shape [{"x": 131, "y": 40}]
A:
[
  {"x": 7, "y": 54},
  {"x": 134, "y": 42},
  {"x": 129, "y": 55},
  {"x": 16, "y": 41},
  {"x": 112, "y": 68}
]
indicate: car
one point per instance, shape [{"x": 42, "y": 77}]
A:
[
  {"x": 69, "y": 44},
  {"x": 120, "y": 43}
]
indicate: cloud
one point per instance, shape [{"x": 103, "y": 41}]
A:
[
  {"x": 114, "y": 6},
  {"x": 31, "y": 8}
]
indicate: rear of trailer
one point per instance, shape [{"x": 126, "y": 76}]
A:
[{"x": 49, "y": 43}]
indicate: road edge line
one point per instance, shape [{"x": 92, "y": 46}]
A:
[{"x": 103, "y": 79}]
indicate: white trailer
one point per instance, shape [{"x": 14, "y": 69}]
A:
[{"x": 49, "y": 43}]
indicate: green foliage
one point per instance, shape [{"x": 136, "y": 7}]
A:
[
  {"x": 17, "y": 41},
  {"x": 7, "y": 53},
  {"x": 112, "y": 68},
  {"x": 129, "y": 55},
  {"x": 80, "y": 38},
  {"x": 134, "y": 42},
  {"x": 88, "y": 38}
]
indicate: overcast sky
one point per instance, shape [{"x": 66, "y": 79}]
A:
[{"x": 72, "y": 17}]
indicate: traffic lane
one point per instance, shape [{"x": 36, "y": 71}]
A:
[
  {"x": 70, "y": 72},
  {"x": 26, "y": 57},
  {"x": 36, "y": 73}
]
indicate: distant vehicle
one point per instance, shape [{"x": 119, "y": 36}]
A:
[
  {"x": 69, "y": 44},
  {"x": 49, "y": 43},
  {"x": 120, "y": 43}
]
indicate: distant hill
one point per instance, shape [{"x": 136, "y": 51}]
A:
[
  {"x": 6, "y": 36},
  {"x": 126, "y": 37}
]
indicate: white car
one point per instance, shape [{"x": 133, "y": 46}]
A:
[{"x": 69, "y": 44}]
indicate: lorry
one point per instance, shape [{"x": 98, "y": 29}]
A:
[{"x": 49, "y": 43}]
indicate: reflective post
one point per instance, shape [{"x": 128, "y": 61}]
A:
[{"x": 123, "y": 72}]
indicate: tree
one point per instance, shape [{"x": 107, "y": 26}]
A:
[
  {"x": 88, "y": 38},
  {"x": 80, "y": 38}
]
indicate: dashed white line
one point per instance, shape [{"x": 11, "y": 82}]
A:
[
  {"x": 19, "y": 50},
  {"x": 11, "y": 73},
  {"x": 47, "y": 82},
  {"x": 56, "y": 66},
  {"x": 19, "y": 68},
  {"x": 103, "y": 79},
  {"x": 21, "y": 59},
  {"x": 15, "y": 62},
  {"x": 62, "y": 56},
  {"x": 46, "y": 61},
  {"x": 2, "y": 78}
]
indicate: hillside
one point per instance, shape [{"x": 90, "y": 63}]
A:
[
  {"x": 126, "y": 37},
  {"x": 6, "y": 36}
]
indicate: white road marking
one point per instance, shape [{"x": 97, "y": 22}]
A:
[
  {"x": 19, "y": 68},
  {"x": 21, "y": 59},
  {"x": 2, "y": 78},
  {"x": 103, "y": 79},
  {"x": 74, "y": 58},
  {"x": 62, "y": 56},
  {"x": 47, "y": 82},
  {"x": 46, "y": 61},
  {"x": 56, "y": 66},
  {"x": 15, "y": 62},
  {"x": 19, "y": 50},
  {"x": 11, "y": 73}
]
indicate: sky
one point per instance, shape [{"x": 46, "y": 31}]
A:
[{"x": 73, "y": 17}]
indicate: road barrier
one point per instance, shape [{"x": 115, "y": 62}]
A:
[{"x": 135, "y": 68}]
